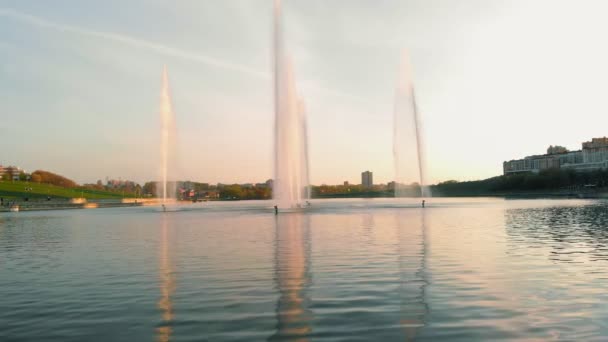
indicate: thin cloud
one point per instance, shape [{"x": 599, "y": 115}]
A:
[
  {"x": 163, "y": 49},
  {"x": 139, "y": 43}
]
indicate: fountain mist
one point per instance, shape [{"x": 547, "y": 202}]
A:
[
  {"x": 167, "y": 139},
  {"x": 408, "y": 145},
  {"x": 291, "y": 177}
]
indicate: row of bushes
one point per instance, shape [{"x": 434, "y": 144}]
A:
[{"x": 549, "y": 180}]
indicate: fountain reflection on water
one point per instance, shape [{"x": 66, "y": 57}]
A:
[
  {"x": 167, "y": 284},
  {"x": 292, "y": 277},
  {"x": 291, "y": 169},
  {"x": 412, "y": 252}
]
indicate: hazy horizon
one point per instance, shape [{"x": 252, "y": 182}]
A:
[{"x": 80, "y": 84}]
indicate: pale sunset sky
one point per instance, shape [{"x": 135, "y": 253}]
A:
[{"x": 495, "y": 80}]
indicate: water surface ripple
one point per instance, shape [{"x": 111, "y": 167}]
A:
[{"x": 345, "y": 270}]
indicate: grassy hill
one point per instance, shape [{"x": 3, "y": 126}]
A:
[{"x": 10, "y": 189}]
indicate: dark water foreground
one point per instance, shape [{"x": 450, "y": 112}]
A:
[{"x": 465, "y": 270}]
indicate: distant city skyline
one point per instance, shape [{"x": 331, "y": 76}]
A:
[
  {"x": 80, "y": 84},
  {"x": 592, "y": 156}
]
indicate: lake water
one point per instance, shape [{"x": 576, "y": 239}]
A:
[{"x": 460, "y": 269}]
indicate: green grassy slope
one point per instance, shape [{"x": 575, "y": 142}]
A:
[{"x": 18, "y": 190}]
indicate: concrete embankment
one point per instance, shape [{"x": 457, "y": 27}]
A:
[{"x": 76, "y": 203}]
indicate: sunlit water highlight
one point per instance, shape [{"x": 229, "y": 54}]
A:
[{"x": 460, "y": 270}]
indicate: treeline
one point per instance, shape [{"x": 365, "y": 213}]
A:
[
  {"x": 125, "y": 189},
  {"x": 152, "y": 189},
  {"x": 239, "y": 192},
  {"x": 563, "y": 181},
  {"x": 46, "y": 177},
  {"x": 553, "y": 180},
  {"x": 349, "y": 191},
  {"x": 188, "y": 190}
]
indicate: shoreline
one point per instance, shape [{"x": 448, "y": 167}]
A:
[
  {"x": 81, "y": 203},
  {"x": 77, "y": 203}
]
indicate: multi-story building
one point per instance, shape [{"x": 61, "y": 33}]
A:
[
  {"x": 593, "y": 156},
  {"x": 367, "y": 179},
  {"x": 13, "y": 172}
]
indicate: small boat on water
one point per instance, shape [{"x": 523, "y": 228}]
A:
[{"x": 14, "y": 208}]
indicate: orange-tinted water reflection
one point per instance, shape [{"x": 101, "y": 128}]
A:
[
  {"x": 412, "y": 253},
  {"x": 167, "y": 284},
  {"x": 292, "y": 277}
]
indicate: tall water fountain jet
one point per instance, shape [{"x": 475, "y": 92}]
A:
[
  {"x": 291, "y": 177},
  {"x": 167, "y": 140},
  {"x": 408, "y": 145},
  {"x": 304, "y": 151}
]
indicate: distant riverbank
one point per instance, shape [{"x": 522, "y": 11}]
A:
[{"x": 514, "y": 194}]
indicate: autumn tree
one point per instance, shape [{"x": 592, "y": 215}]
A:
[{"x": 52, "y": 178}]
